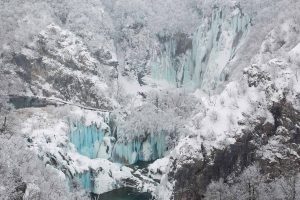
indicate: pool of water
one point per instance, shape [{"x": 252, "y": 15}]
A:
[{"x": 123, "y": 194}]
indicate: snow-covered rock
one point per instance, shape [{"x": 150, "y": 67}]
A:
[{"x": 185, "y": 101}]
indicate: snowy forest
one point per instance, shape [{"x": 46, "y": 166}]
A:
[{"x": 149, "y": 100}]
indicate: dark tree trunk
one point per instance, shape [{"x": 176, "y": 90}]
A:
[{"x": 3, "y": 126}]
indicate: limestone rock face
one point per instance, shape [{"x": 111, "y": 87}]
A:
[
  {"x": 201, "y": 60},
  {"x": 58, "y": 64},
  {"x": 267, "y": 135},
  {"x": 99, "y": 90},
  {"x": 274, "y": 146}
]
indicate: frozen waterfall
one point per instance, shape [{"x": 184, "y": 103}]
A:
[
  {"x": 93, "y": 142},
  {"x": 213, "y": 45},
  {"x": 139, "y": 149}
]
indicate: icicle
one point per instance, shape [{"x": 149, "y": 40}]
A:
[
  {"x": 130, "y": 152},
  {"x": 214, "y": 45},
  {"x": 87, "y": 139}
]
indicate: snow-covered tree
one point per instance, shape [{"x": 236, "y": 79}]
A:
[
  {"x": 253, "y": 185},
  {"x": 23, "y": 175}
]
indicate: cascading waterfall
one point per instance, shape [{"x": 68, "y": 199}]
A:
[
  {"x": 86, "y": 181},
  {"x": 196, "y": 62},
  {"x": 87, "y": 139},
  {"x": 94, "y": 142},
  {"x": 139, "y": 149},
  {"x": 91, "y": 141},
  {"x": 173, "y": 60},
  {"x": 214, "y": 44},
  {"x": 163, "y": 67}
]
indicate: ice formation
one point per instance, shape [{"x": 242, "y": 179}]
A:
[
  {"x": 149, "y": 149},
  {"x": 96, "y": 142},
  {"x": 84, "y": 145},
  {"x": 87, "y": 139},
  {"x": 87, "y": 181},
  {"x": 79, "y": 143},
  {"x": 202, "y": 64},
  {"x": 93, "y": 142}
]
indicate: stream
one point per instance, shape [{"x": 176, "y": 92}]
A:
[{"x": 123, "y": 194}]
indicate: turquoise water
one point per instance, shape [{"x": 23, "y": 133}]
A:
[
  {"x": 123, "y": 194},
  {"x": 200, "y": 66},
  {"x": 138, "y": 149},
  {"x": 87, "y": 139},
  {"x": 86, "y": 181}
]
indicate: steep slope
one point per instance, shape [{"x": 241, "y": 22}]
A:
[
  {"x": 201, "y": 97},
  {"x": 57, "y": 58},
  {"x": 199, "y": 62},
  {"x": 262, "y": 110}
]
